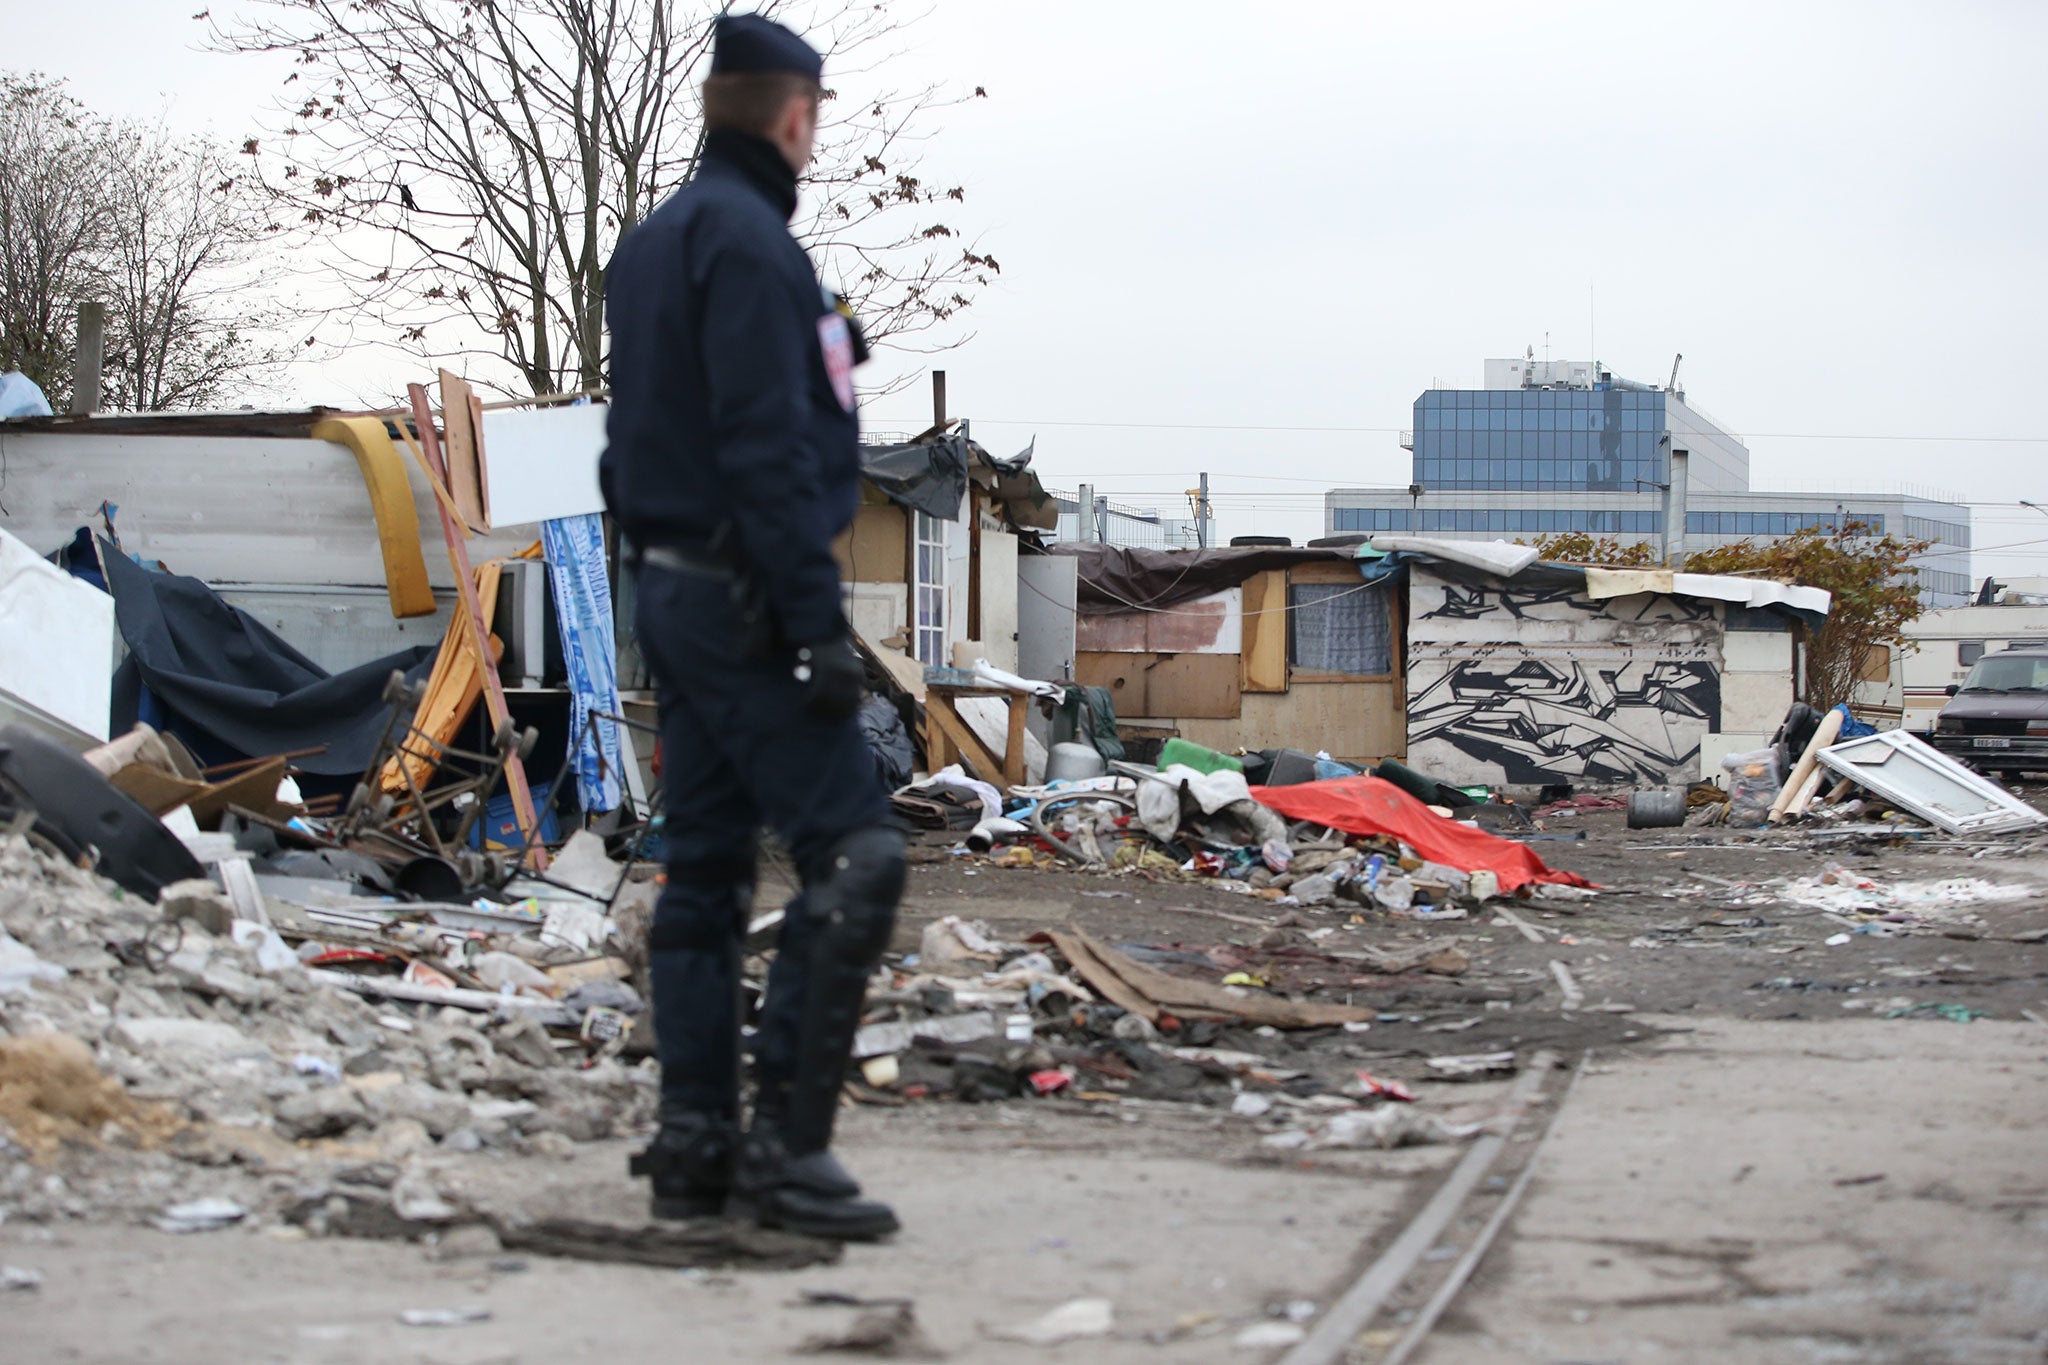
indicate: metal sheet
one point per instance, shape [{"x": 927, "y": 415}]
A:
[{"x": 1917, "y": 777}]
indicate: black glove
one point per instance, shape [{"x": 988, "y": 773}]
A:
[{"x": 832, "y": 677}]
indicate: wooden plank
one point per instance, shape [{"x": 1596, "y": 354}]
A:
[
  {"x": 1262, "y": 664},
  {"x": 452, "y": 689},
  {"x": 1342, "y": 571},
  {"x": 1112, "y": 973},
  {"x": 1123, "y": 674},
  {"x": 1013, "y": 742},
  {"x": 1199, "y": 686},
  {"x": 459, "y": 446},
  {"x": 960, "y": 740},
  {"x": 1354, "y": 720},
  {"x": 429, "y": 452},
  {"x": 1123, "y": 632},
  {"x": 875, "y": 548}
]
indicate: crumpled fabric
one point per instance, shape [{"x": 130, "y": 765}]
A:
[
  {"x": 1372, "y": 805},
  {"x": 1220, "y": 799},
  {"x": 955, "y": 776},
  {"x": 1160, "y": 803}
]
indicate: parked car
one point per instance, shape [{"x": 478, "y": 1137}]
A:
[{"x": 1997, "y": 718}]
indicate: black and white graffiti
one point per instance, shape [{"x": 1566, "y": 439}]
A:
[
  {"x": 1545, "y": 720},
  {"x": 1546, "y": 686}
]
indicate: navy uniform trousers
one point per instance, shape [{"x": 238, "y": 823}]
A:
[{"x": 739, "y": 752}]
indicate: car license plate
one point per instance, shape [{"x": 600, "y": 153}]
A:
[{"x": 1991, "y": 742}]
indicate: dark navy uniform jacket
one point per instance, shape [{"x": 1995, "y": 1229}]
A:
[{"x": 732, "y": 385}]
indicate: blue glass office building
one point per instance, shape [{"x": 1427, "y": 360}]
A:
[{"x": 1553, "y": 447}]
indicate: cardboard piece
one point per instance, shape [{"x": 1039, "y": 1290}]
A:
[
  {"x": 1149, "y": 992},
  {"x": 462, "y": 441},
  {"x": 543, "y": 462}
]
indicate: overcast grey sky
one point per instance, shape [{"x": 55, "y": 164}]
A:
[{"x": 1224, "y": 225}]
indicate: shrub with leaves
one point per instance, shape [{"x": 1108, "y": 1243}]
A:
[
  {"x": 1578, "y": 547},
  {"x": 1875, "y": 587}
]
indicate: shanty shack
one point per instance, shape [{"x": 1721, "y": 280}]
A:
[{"x": 1474, "y": 662}]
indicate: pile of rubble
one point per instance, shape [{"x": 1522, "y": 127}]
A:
[{"x": 177, "y": 1049}]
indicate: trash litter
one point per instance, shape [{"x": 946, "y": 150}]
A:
[
  {"x": 16, "y": 1277},
  {"x": 1372, "y": 806},
  {"x": 444, "y": 1317},
  {"x": 886, "y": 1331},
  {"x": 1955, "y": 1014},
  {"x": 1843, "y": 892},
  {"x": 1371, "y": 1087},
  {"x": 1384, "y": 1126},
  {"x": 1754, "y": 780},
  {"x": 20, "y": 968},
  {"x": 1071, "y": 1321},
  {"x": 1152, "y": 993},
  {"x": 200, "y": 1215},
  {"x": 1266, "y": 1336},
  {"x": 875, "y": 1039},
  {"x": 1573, "y": 997},
  {"x": 1917, "y": 777},
  {"x": 1473, "y": 1066}
]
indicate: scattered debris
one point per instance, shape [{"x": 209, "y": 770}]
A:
[
  {"x": 1267, "y": 1336},
  {"x": 445, "y": 1317},
  {"x": 1385, "y": 1126},
  {"x": 1573, "y": 997},
  {"x": 1073, "y": 1320},
  {"x": 1955, "y": 1014},
  {"x": 886, "y": 1332},
  {"x": 1151, "y": 993},
  {"x": 200, "y": 1215}
]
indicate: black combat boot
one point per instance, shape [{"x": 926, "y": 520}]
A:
[
  {"x": 787, "y": 1176},
  {"x": 691, "y": 1162},
  {"x": 811, "y": 1193}
]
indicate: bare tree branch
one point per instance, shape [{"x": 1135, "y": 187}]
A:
[
  {"x": 160, "y": 229},
  {"x": 474, "y": 163}
]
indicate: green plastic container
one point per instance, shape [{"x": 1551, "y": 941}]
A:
[{"x": 1196, "y": 756}]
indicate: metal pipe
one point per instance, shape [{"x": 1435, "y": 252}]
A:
[{"x": 1674, "y": 507}]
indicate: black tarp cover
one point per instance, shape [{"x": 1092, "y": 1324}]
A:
[
  {"x": 928, "y": 476},
  {"x": 1114, "y": 578},
  {"x": 229, "y": 687}
]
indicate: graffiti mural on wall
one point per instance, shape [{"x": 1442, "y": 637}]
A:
[
  {"x": 1542, "y": 721},
  {"x": 1548, "y": 686},
  {"x": 1463, "y": 603}
]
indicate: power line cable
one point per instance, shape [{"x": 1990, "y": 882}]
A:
[{"x": 1381, "y": 431}]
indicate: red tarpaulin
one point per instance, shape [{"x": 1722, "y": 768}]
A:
[{"x": 1369, "y": 805}]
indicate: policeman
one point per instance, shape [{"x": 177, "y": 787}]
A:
[{"x": 731, "y": 464}]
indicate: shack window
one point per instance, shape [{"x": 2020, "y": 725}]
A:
[
  {"x": 1340, "y": 628},
  {"x": 928, "y": 606},
  {"x": 1969, "y": 651}
]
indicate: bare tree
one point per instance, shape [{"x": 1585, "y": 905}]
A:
[
  {"x": 53, "y": 226},
  {"x": 477, "y": 161},
  {"x": 156, "y": 227},
  {"x": 189, "y": 311}
]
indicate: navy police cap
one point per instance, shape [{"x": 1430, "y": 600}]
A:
[{"x": 749, "y": 42}]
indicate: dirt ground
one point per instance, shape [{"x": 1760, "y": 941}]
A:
[{"x": 1776, "y": 1149}]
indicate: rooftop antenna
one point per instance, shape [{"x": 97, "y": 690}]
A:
[
  {"x": 1546, "y": 348},
  {"x": 1592, "y": 335},
  {"x": 1672, "y": 387}
]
